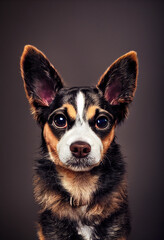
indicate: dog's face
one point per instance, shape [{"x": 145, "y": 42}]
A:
[{"x": 78, "y": 123}]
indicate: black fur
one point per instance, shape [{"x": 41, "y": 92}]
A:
[{"x": 58, "y": 229}]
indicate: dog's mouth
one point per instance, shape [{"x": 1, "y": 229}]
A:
[{"x": 81, "y": 164}]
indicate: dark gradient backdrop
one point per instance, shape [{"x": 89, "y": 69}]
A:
[{"x": 81, "y": 38}]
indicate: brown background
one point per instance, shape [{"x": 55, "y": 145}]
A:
[{"x": 81, "y": 38}]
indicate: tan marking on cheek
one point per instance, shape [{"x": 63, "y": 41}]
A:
[
  {"x": 51, "y": 142},
  {"x": 80, "y": 185},
  {"x": 107, "y": 140},
  {"x": 70, "y": 110},
  {"x": 91, "y": 112}
]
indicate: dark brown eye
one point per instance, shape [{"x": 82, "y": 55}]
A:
[
  {"x": 102, "y": 122},
  {"x": 60, "y": 121}
]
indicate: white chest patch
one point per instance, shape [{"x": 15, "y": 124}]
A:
[{"x": 85, "y": 231}]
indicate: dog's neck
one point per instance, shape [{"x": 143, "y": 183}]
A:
[{"x": 80, "y": 185}]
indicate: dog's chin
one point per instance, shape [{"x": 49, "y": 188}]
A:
[{"x": 81, "y": 164}]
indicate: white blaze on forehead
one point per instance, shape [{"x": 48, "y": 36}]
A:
[{"x": 80, "y": 100}]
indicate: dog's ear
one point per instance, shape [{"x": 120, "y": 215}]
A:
[
  {"x": 119, "y": 81},
  {"x": 41, "y": 80}
]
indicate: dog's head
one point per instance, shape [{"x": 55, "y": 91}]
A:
[{"x": 78, "y": 123}]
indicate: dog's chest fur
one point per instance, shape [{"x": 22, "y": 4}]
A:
[
  {"x": 81, "y": 186},
  {"x": 85, "y": 231}
]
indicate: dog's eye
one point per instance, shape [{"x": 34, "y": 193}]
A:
[
  {"x": 102, "y": 122},
  {"x": 60, "y": 121}
]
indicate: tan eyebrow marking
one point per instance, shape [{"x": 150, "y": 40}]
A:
[
  {"x": 91, "y": 111},
  {"x": 70, "y": 110}
]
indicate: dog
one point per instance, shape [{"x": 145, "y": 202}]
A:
[{"x": 80, "y": 180}]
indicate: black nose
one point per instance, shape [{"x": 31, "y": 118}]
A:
[{"x": 80, "y": 149}]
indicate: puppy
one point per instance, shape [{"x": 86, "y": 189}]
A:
[{"x": 80, "y": 179}]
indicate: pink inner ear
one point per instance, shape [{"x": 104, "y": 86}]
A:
[
  {"x": 45, "y": 92},
  {"x": 47, "y": 96},
  {"x": 112, "y": 92}
]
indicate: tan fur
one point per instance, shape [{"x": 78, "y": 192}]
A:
[
  {"x": 108, "y": 204},
  {"x": 54, "y": 201},
  {"x": 51, "y": 142},
  {"x": 70, "y": 110},
  {"x": 107, "y": 140},
  {"x": 91, "y": 112},
  {"x": 40, "y": 233},
  {"x": 65, "y": 210},
  {"x": 43, "y": 196},
  {"x": 82, "y": 189},
  {"x": 79, "y": 185}
]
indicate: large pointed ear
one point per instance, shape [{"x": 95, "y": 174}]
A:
[
  {"x": 41, "y": 80},
  {"x": 119, "y": 81}
]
